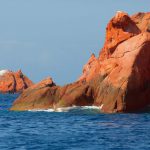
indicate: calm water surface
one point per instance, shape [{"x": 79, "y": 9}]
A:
[{"x": 74, "y": 130}]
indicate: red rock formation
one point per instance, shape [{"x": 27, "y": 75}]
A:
[
  {"x": 120, "y": 28},
  {"x": 142, "y": 21},
  {"x": 46, "y": 82},
  {"x": 39, "y": 96},
  {"x": 117, "y": 81},
  {"x": 12, "y": 82},
  {"x": 46, "y": 95},
  {"x": 125, "y": 86},
  {"x": 90, "y": 69}
]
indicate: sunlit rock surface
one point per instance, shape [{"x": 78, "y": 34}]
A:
[
  {"x": 118, "y": 80},
  {"x": 13, "y": 82}
]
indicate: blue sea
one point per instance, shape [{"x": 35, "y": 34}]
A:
[{"x": 73, "y": 129}]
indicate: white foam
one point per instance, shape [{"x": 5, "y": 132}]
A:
[
  {"x": 46, "y": 110},
  {"x": 66, "y": 109},
  {"x": 2, "y": 72},
  {"x": 101, "y": 106},
  {"x": 90, "y": 107}
]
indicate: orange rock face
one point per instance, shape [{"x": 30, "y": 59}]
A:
[
  {"x": 124, "y": 87},
  {"x": 90, "y": 69},
  {"x": 12, "y": 82},
  {"x": 117, "y": 81},
  {"x": 46, "y": 94},
  {"x": 120, "y": 28},
  {"x": 39, "y": 96},
  {"x": 46, "y": 82}
]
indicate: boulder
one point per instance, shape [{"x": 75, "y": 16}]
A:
[{"x": 37, "y": 96}]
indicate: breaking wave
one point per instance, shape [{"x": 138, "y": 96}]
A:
[{"x": 70, "y": 109}]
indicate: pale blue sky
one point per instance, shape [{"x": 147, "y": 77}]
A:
[{"x": 56, "y": 37}]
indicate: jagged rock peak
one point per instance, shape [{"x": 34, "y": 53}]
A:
[
  {"x": 47, "y": 82},
  {"x": 120, "y": 28},
  {"x": 119, "y": 14},
  {"x": 89, "y": 68}
]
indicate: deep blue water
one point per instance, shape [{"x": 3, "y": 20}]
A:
[{"x": 74, "y": 130}]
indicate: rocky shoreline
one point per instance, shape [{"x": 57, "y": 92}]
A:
[{"x": 117, "y": 81}]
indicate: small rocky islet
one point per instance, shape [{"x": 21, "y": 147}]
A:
[
  {"x": 13, "y": 82},
  {"x": 118, "y": 80}
]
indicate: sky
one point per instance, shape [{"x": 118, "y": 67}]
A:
[{"x": 56, "y": 37}]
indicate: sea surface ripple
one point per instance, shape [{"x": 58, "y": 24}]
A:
[{"x": 75, "y": 129}]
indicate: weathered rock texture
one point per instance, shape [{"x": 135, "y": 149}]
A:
[
  {"x": 46, "y": 95},
  {"x": 142, "y": 21},
  {"x": 120, "y": 28},
  {"x": 13, "y": 82},
  {"x": 117, "y": 81}
]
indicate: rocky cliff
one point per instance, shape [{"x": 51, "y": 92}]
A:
[
  {"x": 13, "y": 82},
  {"x": 117, "y": 81}
]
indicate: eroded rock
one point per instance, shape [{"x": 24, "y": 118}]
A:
[
  {"x": 117, "y": 81},
  {"x": 13, "y": 82}
]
